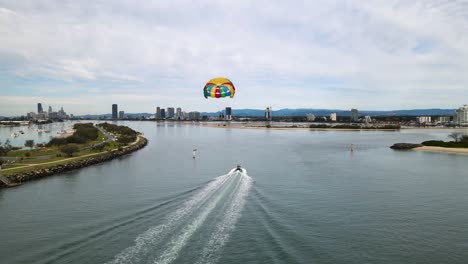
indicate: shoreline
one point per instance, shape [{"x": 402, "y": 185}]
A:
[
  {"x": 463, "y": 151},
  {"x": 16, "y": 179},
  {"x": 240, "y": 126},
  {"x": 221, "y": 124}
]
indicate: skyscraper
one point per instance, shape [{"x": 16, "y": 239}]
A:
[
  {"x": 354, "y": 115},
  {"x": 158, "y": 112},
  {"x": 163, "y": 113},
  {"x": 461, "y": 115},
  {"x": 114, "y": 111},
  {"x": 39, "y": 108},
  {"x": 50, "y": 109},
  {"x": 179, "y": 112},
  {"x": 121, "y": 114},
  {"x": 268, "y": 113},
  {"x": 170, "y": 112},
  {"x": 227, "y": 114}
]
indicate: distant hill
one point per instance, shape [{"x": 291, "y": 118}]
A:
[{"x": 304, "y": 111}]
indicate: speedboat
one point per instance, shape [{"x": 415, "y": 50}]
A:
[{"x": 238, "y": 169}]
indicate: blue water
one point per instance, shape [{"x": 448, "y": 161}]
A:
[{"x": 304, "y": 199}]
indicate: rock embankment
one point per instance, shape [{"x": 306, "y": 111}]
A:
[
  {"x": 405, "y": 146},
  {"x": 19, "y": 178}
]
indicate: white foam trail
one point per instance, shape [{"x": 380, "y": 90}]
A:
[
  {"x": 210, "y": 253},
  {"x": 144, "y": 241},
  {"x": 171, "y": 253}
]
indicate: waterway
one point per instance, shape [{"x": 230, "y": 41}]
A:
[{"x": 305, "y": 198}]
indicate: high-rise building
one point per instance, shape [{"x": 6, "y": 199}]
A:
[
  {"x": 114, "y": 111},
  {"x": 163, "y": 113},
  {"x": 227, "y": 114},
  {"x": 354, "y": 115},
  {"x": 194, "y": 115},
  {"x": 333, "y": 117},
  {"x": 50, "y": 109},
  {"x": 268, "y": 113},
  {"x": 31, "y": 115},
  {"x": 158, "y": 112},
  {"x": 39, "y": 108},
  {"x": 121, "y": 114},
  {"x": 179, "y": 113},
  {"x": 461, "y": 115},
  {"x": 170, "y": 112}
]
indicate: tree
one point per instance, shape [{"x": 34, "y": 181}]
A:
[
  {"x": 29, "y": 143},
  {"x": 5, "y": 148},
  {"x": 99, "y": 147},
  {"x": 455, "y": 136},
  {"x": 69, "y": 149},
  {"x": 7, "y": 143},
  {"x": 464, "y": 139}
]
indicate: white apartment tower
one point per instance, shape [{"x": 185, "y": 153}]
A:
[{"x": 461, "y": 115}]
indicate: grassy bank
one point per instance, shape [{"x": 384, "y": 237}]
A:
[
  {"x": 86, "y": 141},
  {"x": 24, "y": 167}
]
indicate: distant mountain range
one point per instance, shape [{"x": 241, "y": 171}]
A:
[
  {"x": 327, "y": 112},
  {"x": 304, "y": 111},
  {"x": 133, "y": 115}
]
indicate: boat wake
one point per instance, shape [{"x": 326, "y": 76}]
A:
[{"x": 196, "y": 231}]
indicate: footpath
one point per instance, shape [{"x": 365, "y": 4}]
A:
[{"x": 38, "y": 170}]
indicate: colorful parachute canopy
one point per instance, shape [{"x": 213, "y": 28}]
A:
[{"x": 218, "y": 88}]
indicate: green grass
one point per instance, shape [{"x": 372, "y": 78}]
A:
[
  {"x": 56, "y": 160},
  {"x": 56, "y": 157},
  {"x": 41, "y": 166},
  {"x": 12, "y": 166},
  {"x": 34, "y": 152},
  {"x": 52, "y": 150}
]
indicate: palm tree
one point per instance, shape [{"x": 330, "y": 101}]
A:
[{"x": 455, "y": 136}]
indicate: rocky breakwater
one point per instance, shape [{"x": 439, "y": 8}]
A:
[
  {"x": 405, "y": 146},
  {"x": 19, "y": 178}
]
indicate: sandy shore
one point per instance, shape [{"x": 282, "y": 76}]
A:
[
  {"x": 443, "y": 150},
  {"x": 65, "y": 135}
]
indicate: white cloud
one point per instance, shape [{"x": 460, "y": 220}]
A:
[{"x": 381, "y": 54}]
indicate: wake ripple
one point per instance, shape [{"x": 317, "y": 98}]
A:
[
  {"x": 163, "y": 243},
  {"x": 212, "y": 250}
]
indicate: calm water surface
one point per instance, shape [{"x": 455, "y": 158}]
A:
[
  {"x": 304, "y": 199},
  {"x": 32, "y": 132}
]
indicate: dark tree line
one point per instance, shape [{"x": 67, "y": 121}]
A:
[
  {"x": 83, "y": 133},
  {"x": 125, "y": 134}
]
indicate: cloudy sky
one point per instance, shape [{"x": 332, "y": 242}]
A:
[{"x": 375, "y": 55}]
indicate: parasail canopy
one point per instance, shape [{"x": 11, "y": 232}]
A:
[{"x": 218, "y": 88}]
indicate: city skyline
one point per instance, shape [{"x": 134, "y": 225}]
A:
[{"x": 381, "y": 55}]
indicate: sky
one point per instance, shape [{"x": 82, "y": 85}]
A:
[{"x": 338, "y": 54}]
